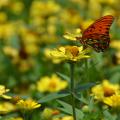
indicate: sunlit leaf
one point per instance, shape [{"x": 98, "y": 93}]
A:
[
  {"x": 63, "y": 76},
  {"x": 52, "y": 96},
  {"x": 67, "y": 108}
]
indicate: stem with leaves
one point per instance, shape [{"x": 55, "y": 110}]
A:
[{"x": 72, "y": 88}]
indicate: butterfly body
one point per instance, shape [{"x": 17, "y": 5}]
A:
[{"x": 97, "y": 34}]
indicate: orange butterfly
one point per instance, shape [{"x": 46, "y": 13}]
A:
[{"x": 97, "y": 34}]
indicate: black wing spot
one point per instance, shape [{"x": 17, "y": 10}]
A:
[
  {"x": 107, "y": 32},
  {"x": 107, "y": 28}
]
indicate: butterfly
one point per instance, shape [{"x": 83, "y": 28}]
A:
[{"x": 97, "y": 34}]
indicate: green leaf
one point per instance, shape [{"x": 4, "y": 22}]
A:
[
  {"x": 67, "y": 108},
  {"x": 81, "y": 99},
  {"x": 84, "y": 87},
  {"x": 63, "y": 76},
  {"x": 115, "y": 77},
  {"x": 52, "y": 96},
  {"x": 109, "y": 116}
]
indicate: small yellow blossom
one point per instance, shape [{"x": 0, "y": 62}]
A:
[
  {"x": 17, "y": 7},
  {"x": 85, "y": 108},
  {"x": 115, "y": 44},
  {"x": 105, "y": 89},
  {"x": 48, "y": 113},
  {"x": 51, "y": 84},
  {"x": 87, "y": 23},
  {"x": 109, "y": 11},
  {"x": 72, "y": 53},
  {"x": 73, "y": 36},
  {"x": 67, "y": 118},
  {"x": 116, "y": 58},
  {"x": 7, "y": 30},
  {"x": 3, "y": 17},
  {"x": 4, "y": 3},
  {"x": 94, "y": 9},
  {"x": 113, "y": 101},
  {"x": 31, "y": 49},
  {"x": 15, "y": 99},
  {"x": 10, "y": 51},
  {"x": 21, "y": 57},
  {"x": 47, "y": 54},
  {"x": 28, "y": 104},
  {"x": 3, "y": 90},
  {"x": 109, "y": 2},
  {"x": 63, "y": 118},
  {"x": 6, "y": 107},
  {"x": 39, "y": 8},
  {"x": 70, "y": 17},
  {"x": 16, "y": 118}
]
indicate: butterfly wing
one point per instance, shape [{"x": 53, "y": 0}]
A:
[{"x": 97, "y": 34}]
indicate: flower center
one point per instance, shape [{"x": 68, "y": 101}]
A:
[
  {"x": 73, "y": 50},
  {"x": 52, "y": 85},
  {"x": 108, "y": 92}
]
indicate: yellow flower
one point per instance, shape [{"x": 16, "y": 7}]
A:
[
  {"x": 48, "y": 113},
  {"x": 116, "y": 57},
  {"x": 85, "y": 108},
  {"x": 87, "y": 23},
  {"x": 10, "y": 51},
  {"x": 72, "y": 53},
  {"x": 32, "y": 49},
  {"x": 28, "y": 104},
  {"x": 72, "y": 36},
  {"x": 16, "y": 118},
  {"x": 70, "y": 17},
  {"x": 39, "y": 8},
  {"x": 105, "y": 89},
  {"x": 51, "y": 29},
  {"x": 7, "y": 30},
  {"x": 4, "y": 3},
  {"x": 3, "y": 17},
  {"x": 20, "y": 57},
  {"x": 115, "y": 44},
  {"x": 109, "y": 2},
  {"x": 3, "y": 90},
  {"x": 64, "y": 118},
  {"x": 109, "y": 11},
  {"x": 113, "y": 101},
  {"x": 94, "y": 9},
  {"x": 17, "y": 7},
  {"x": 6, "y": 107},
  {"x": 47, "y": 54},
  {"x": 67, "y": 118},
  {"x": 51, "y": 84}
]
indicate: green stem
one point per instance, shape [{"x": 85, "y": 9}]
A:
[
  {"x": 26, "y": 115},
  {"x": 72, "y": 89},
  {"x": 86, "y": 70},
  {"x": 118, "y": 114}
]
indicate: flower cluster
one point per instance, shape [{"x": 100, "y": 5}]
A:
[
  {"x": 3, "y": 90},
  {"x": 51, "y": 84}
]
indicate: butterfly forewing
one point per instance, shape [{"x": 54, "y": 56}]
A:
[{"x": 97, "y": 34}]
